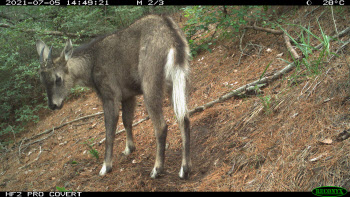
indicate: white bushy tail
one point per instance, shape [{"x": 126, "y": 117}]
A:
[{"x": 177, "y": 75}]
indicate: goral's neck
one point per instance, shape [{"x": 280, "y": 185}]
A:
[{"x": 80, "y": 69}]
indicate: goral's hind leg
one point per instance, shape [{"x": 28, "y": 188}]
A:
[
  {"x": 160, "y": 131},
  {"x": 128, "y": 108},
  {"x": 153, "y": 102},
  {"x": 186, "y": 159}
]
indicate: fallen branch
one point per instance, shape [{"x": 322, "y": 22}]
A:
[
  {"x": 342, "y": 33},
  {"x": 273, "y": 31},
  {"x": 53, "y": 129},
  {"x": 289, "y": 47},
  {"x": 53, "y": 33}
]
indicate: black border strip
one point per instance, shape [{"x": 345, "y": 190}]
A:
[{"x": 172, "y": 2}]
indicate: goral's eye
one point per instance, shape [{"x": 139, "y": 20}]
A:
[{"x": 58, "y": 80}]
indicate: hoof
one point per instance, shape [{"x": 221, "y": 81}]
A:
[
  {"x": 184, "y": 172},
  {"x": 105, "y": 169},
  {"x": 128, "y": 150},
  {"x": 155, "y": 173}
]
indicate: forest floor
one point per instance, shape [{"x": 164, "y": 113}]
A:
[{"x": 292, "y": 136}]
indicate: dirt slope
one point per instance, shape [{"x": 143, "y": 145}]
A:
[{"x": 293, "y": 144}]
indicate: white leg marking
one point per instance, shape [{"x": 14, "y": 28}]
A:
[
  {"x": 103, "y": 170},
  {"x": 181, "y": 173},
  {"x": 154, "y": 173},
  {"x": 127, "y": 151}
]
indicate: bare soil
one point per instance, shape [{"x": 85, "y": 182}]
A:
[{"x": 293, "y": 144}]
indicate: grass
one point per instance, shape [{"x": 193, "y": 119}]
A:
[
  {"x": 62, "y": 189},
  {"x": 92, "y": 151},
  {"x": 266, "y": 101},
  {"x": 304, "y": 44}
]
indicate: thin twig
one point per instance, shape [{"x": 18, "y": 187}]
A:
[
  {"x": 335, "y": 25},
  {"x": 313, "y": 88},
  {"x": 240, "y": 41},
  {"x": 14, "y": 136},
  {"x": 36, "y": 141},
  {"x": 64, "y": 124},
  {"x": 340, "y": 48},
  {"x": 19, "y": 148},
  {"x": 239, "y": 61},
  {"x": 311, "y": 11},
  {"x": 240, "y": 48},
  {"x": 36, "y": 159}
]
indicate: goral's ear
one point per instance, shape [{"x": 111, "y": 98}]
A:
[
  {"x": 68, "y": 50},
  {"x": 42, "y": 49}
]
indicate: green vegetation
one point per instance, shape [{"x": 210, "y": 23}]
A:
[
  {"x": 92, "y": 151},
  {"x": 226, "y": 20},
  {"x": 62, "y": 189},
  {"x": 200, "y": 18}
]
